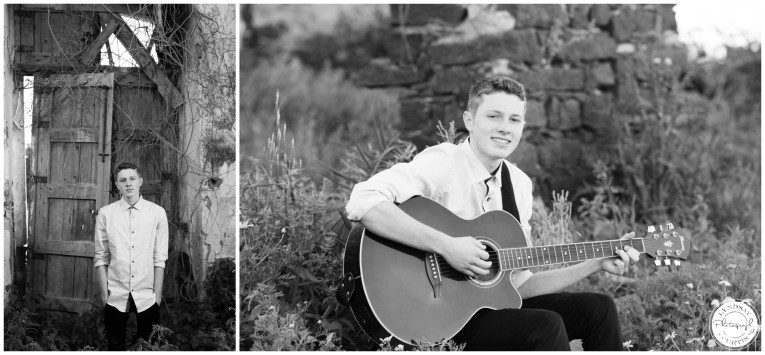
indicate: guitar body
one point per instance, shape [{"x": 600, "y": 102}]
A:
[{"x": 394, "y": 289}]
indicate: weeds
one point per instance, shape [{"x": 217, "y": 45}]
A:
[{"x": 681, "y": 163}]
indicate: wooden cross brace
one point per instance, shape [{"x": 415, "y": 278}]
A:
[{"x": 115, "y": 24}]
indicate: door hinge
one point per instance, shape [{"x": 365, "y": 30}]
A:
[{"x": 38, "y": 179}]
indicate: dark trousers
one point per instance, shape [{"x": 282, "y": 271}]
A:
[
  {"x": 116, "y": 324},
  {"x": 546, "y": 322}
]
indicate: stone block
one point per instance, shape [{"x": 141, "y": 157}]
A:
[
  {"x": 598, "y": 113},
  {"x": 383, "y": 72},
  {"x": 535, "y": 114},
  {"x": 454, "y": 80},
  {"x": 600, "y": 14},
  {"x": 536, "y": 15},
  {"x": 579, "y": 16},
  {"x": 423, "y": 14},
  {"x": 628, "y": 22},
  {"x": 599, "y": 46},
  {"x": 516, "y": 45},
  {"x": 603, "y": 74},
  {"x": 564, "y": 114},
  {"x": 556, "y": 79},
  {"x": 563, "y": 162},
  {"x": 404, "y": 48}
]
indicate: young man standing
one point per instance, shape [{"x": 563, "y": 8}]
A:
[
  {"x": 470, "y": 179},
  {"x": 130, "y": 252}
]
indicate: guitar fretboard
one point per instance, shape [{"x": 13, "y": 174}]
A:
[{"x": 519, "y": 258}]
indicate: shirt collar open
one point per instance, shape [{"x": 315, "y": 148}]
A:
[{"x": 476, "y": 170}]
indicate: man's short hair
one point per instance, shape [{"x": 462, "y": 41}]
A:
[
  {"x": 124, "y": 166},
  {"x": 492, "y": 84}
]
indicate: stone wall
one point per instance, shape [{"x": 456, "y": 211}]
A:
[{"x": 586, "y": 68}]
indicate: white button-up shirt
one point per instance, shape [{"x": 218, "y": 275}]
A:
[
  {"x": 131, "y": 241},
  {"x": 453, "y": 176}
]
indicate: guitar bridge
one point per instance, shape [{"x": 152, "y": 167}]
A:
[{"x": 434, "y": 273}]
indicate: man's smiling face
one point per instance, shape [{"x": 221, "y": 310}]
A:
[{"x": 495, "y": 127}]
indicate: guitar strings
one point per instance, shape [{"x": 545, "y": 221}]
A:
[
  {"x": 532, "y": 257},
  {"x": 448, "y": 271}
]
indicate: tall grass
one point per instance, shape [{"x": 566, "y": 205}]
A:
[
  {"x": 323, "y": 111},
  {"x": 690, "y": 163}
]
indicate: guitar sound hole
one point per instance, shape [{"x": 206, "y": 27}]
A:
[{"x": 494, "y": 269}]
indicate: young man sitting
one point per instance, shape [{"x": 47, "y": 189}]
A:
[{"x": 468, "y": 179}]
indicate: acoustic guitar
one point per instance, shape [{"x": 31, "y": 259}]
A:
[{"x": 417, "y": 297}]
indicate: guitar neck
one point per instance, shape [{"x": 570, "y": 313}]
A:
[{"x": 520, "y": 258}]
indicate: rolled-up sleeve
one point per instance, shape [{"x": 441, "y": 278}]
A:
[
  {"x": 161, "y": 239},
  {"x": 101, "y": 242},
  {"x": 421, "y": 177}
]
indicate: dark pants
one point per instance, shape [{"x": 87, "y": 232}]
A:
[
  {"x": 116, "y": 324},
  {"x": 546, "y": 322}
]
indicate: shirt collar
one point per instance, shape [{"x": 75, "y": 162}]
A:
[
  {"x": 476, "y": 171},
  {"x": 125, "y": 206}
]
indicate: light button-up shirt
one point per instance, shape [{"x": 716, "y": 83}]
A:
[
  {"x": 453, "y": 176},
  {"x": 131, "y": 241}
]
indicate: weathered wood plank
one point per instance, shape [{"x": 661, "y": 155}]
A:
[
  {"x": 71, "y": 191},
  {"x": 70, "y": 80},
  {"x": 71, "y": 248},
  {"x": 36, "y": 277},
  {"x": 25, "y": 37},
  {"x": 82, "y": 273},
  {"x": 72, "y": 135},
  {"x": 105, "y": 160},
  {"x": 85, "y": 220},
  {"x": 39, "y": 34},
  {"x": 139, "y": 53},
  {"x": 54, "y": 270},
  {"x": 94, "y": 49},
  {"x": 55, "y": 219},
  {"x": 67, "y": 304},
  {"x": 88, "y": 155},
  {"x": 91, "y": 280},
  {"x": 35, "y": 63},
  {"x": 39, "y": 275},
  {"x": 67, "y": 276},
  {"x": 43, "y": 169},
  {"x": 70, "y": 169},
  {"x": 134, "y": 10},
  {"x": 132, "y": 78}
]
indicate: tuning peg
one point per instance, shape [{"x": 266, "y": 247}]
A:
[
  {"x": 670, "y": 226},
  {"x": 677, "y": 262},
  {"x": 667, "y": 262},
  {"x": 651, "y": 229},
  {"x": 657, "y": 262}
]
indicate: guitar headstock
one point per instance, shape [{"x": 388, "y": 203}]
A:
[{"x": 666, "y": 242}]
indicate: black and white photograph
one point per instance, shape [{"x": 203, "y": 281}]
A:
[
  {"x": 120, "y": 177},
  {"x": 500, "y": 177}
]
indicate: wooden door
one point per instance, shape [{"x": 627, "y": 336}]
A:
[{"x": 72, "y": 120}]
